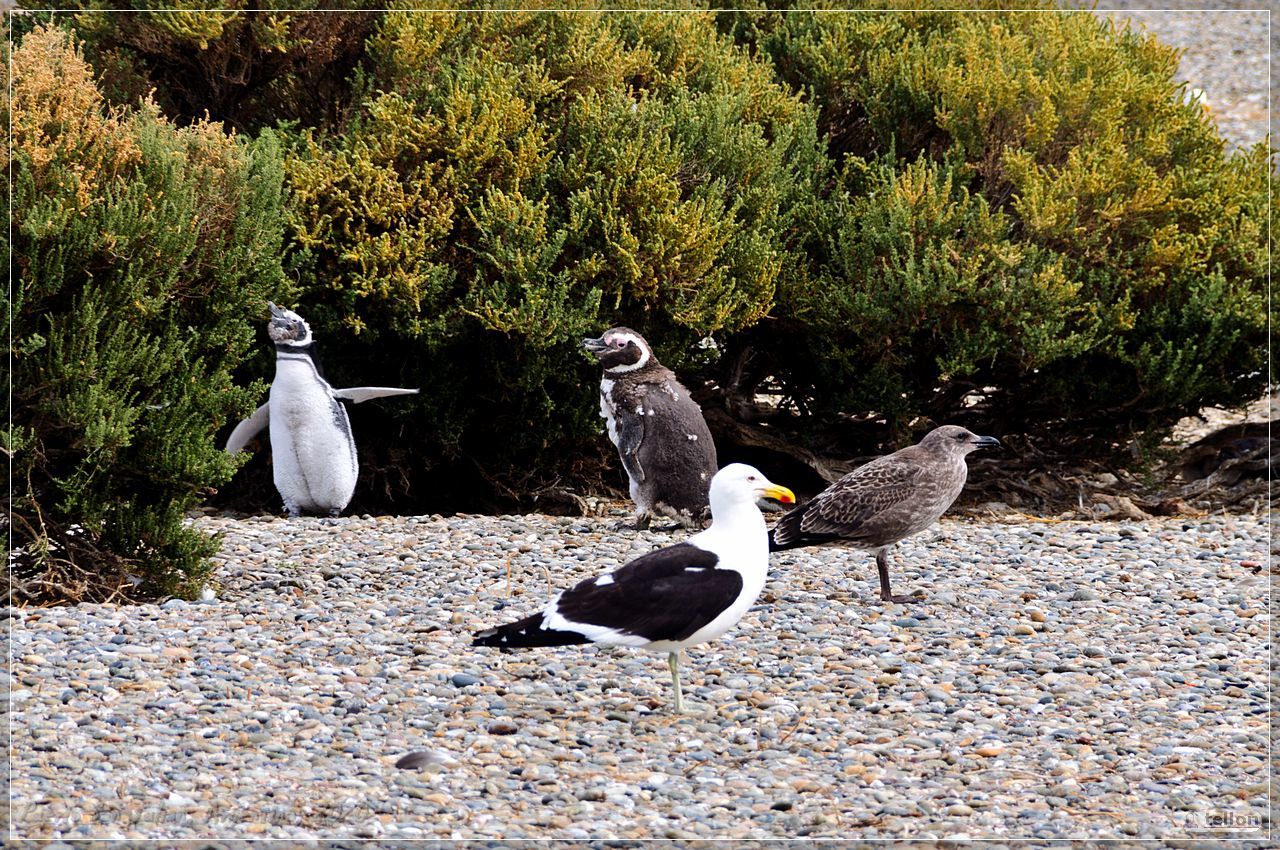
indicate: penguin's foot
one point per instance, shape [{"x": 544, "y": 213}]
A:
[
  {"x": 291, "y": 510},
  {"x": 628, "y": 525}
]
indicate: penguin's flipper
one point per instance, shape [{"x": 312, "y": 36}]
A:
[
  {"x": 246, "y": 430},
  {"x": 355, "y": 395},
  {"x": 630, "y": 436}
]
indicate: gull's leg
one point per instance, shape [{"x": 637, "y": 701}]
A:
[
  {"x": 882, "y": 566},
  {"x": 673, "y": 661}
]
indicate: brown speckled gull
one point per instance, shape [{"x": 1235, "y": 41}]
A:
[{"x": 888, "y": 499}]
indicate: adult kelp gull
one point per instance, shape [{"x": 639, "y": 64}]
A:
[
  {"x": 671, "y": 598},
  {"x": 890, "y": 498}
]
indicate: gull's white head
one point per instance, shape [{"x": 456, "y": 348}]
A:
[{"x": 740, "y": 484}]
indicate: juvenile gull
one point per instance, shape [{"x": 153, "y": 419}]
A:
[
  {"x": 659, "y": 431},
  {"x": 888, "y": 499},
  {"x": 671, "y": 598}
]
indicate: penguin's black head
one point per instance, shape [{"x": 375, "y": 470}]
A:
[
  {"x": 288, "y": 328},
  {"x": 620, "y": 350}
]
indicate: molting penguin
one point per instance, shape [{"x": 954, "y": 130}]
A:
[
  {"x": 659, "y": 430},
  {"x": 313, "y": 453}
]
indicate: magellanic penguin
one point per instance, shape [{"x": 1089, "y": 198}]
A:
[
  {"x": 313, "y": 453},
  {"x": 886, "y": 500},
  {"x": 671, "y": 598},
  {"x": 658, "y": 429}
]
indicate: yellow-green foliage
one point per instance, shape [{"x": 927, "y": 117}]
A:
[
  {"x": 138, "y": 251},
  {"x": 513, "y": 181},
  {"x": 1059, "y": 223},
  {"x": 246, "y": 64},
  {"x": 639, "y": 138},
  {"x": 878, "y": 210}
]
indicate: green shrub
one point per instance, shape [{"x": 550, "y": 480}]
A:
[
  {"x": 512, "y": 182},
  {"x": 249, "y": 65},
  {"x": 878, "y": 217},
  {"x": 138, "y": 249},
  {"x": 1017, "y": 209},
  {"x": 1025, "y": 203}
]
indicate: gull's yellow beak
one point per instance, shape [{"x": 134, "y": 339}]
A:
[{"x": 778, "y": 492}]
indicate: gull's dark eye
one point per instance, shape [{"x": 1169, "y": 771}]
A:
[{"x": 962, "y": 437}]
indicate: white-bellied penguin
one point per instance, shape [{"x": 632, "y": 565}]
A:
[{"x": 314, "y": 461}]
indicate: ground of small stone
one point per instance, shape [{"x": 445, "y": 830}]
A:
[{"x": 1065, "y": 679}]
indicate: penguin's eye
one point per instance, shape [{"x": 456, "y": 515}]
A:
[{"x": 618, "y": 343}]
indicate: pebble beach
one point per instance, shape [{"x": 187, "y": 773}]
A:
[{"x": 1065, "y": 678}]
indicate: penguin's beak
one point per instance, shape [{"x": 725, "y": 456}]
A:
[
  {"x": 987, "y": 443},
  {"x": 595, "y": 346},
  {"x": 778, "y": 492},
  {"x": 276, "y": 312}
]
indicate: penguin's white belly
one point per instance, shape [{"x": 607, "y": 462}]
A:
[
  {"x": 313, "y": 455},
  {"x": 607, "y": 412},
  {"x": 610, "y": 416}
]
